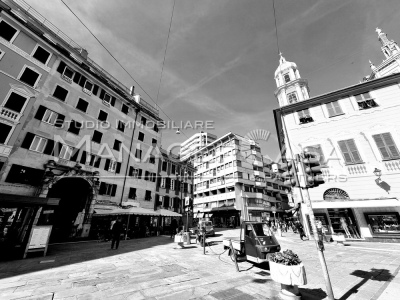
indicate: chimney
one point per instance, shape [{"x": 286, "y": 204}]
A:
[{"x": 132, "y": 90}]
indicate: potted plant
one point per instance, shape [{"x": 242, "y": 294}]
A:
[{"x": 287, "y": 269}]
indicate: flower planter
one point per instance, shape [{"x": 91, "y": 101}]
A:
[{"x": 289, "y": 277}]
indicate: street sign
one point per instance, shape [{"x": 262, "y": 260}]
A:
[{"x": 187, "y": 201}]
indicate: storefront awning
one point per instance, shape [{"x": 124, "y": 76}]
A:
[
  {"x": 223, "y": 208},
  {"x": 167, "y": 213},
  {"x": 125, "y": 211},
  {"x": 12, "y": 200},
  {"x": 384, "y": 202}
]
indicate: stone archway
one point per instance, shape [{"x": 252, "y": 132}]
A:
[{"x": 77, "y": 190}]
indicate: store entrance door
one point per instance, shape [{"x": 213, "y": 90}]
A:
[{"x": 343, "y": 221}]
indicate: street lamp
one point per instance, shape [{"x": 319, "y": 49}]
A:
[{"x": 378, "y": 173}]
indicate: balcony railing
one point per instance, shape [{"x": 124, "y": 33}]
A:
[{"x": 9, "y": 114}]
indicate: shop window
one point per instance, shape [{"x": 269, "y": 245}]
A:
[
  {"x": 24, "y": 175},
  {"x": 383, "y": 223},
  {"x": 386, "y": 146},
  {"x": 60, "y": 93},
  {"x": 7, "y": 32},
  {"x": 15, "y": 102},
  {"x": 350, "y": 151},
  {"x": 4, "y": 132},
  {"x": 82, "y": 105},
  {"x": 30, "y": 77},
  {"x": 41, "y": 55}
]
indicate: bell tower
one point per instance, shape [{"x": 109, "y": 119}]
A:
[
  {"x": 389, "y": 47},
  {"x": 291, "y": 87}
]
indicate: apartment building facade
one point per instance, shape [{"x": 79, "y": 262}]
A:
[
  {"x": 355, "y": 132},
  {"x": 195, "y": 142},
  {"x": 72, "y": 136},
  {"x": 230, "y": 182}
]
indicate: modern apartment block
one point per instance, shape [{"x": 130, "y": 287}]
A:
[
  {"x": 69, "y": 131},
  {"x": 230, "y": 182},
  {"x": 355, "y": 131},
  {"x": 195, "y": 142}
]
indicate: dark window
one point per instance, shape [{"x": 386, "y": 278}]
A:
[
  {"x": 107, "y": 189},
  {"x": 152, "y": 159},
  {"x": 125, "y": 109},
  {"x": 164, "y": 166},
  {"x": 82, "y": 105},
  {"x": 61, "y": 67},
  {"x": 138, "y": 153},
  {"x": 97, "y": 135},
  {"x": 155, "y": 128},
  {"x": 365, "y": 101},
  {"x": 4, "y": 132},
  {"x": 29, "y": 77},
  {"x": 118, "y": 168},
  {"x": 117, "y": 145},
  {"x": 121, "y": 126},
  {"x": 154, "y": 141},
  {"x": 82, "y": 81},
  {"x": 60, "y": 93},
  {"x": 173, "y": 167},
  {"x": 95, "y": 89},
  {"x": 15, "y": 102},
  {"x": 148, "y": 196},
  {"x": 68, "y": 74},
  {"x": 24, "y": 175},
  {"x": 141, "y": 136},
  {"x": 287, "y": 78},
  {"x": 143, "y": 121},
  {"x": 113, "y": 99},
  {"x": 146, "y": 175},
  {"x": 88, "y": 85},
  {"x": 97, "y": 162},
  {"x": 132, "y": 193},
  {"x": 77, "y": 77},
  {"x": 83, "y": 157},
  {"x": 7, "y": 32},
  {"x": 102, "y": 116},
  {"x": 41, "y": 55},
  {"x": 75, "y": 127}
]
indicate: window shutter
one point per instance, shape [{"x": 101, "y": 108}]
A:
[
  {"x": 82, "y": 81},
  {"x": 130, "y": 171},
  {"x": 114, "y": 190},
  {"x": 60, "y": 121},
  {"x": 354, "y": 151},
  {"x": 77, "y": 77},
  {"x": 103, "y": 188},
  {"x": 113, "y": 101},
  {"x": 387, "y": 137},
  {"x": 345, "y": 151},
  {"x": 61, "y": 67},
  {"x": 107, "y": 164},
  {"x": 331, "y": 110},
  {"x": 97, "y": 163},
  {"x": 336, "y": 107},
  {"x": 40, "y": 112},
  {"x": 167, "y": 183},
  {"x": 49, "y": 147},
  {"x": 28, "y": 140},
  {"x": 118, "y": 168},
  {"x": 381, "y": 146},
  {"x": 102, "y": 93}
]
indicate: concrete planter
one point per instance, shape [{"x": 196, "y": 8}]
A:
[{"x": 289, "y": 277}]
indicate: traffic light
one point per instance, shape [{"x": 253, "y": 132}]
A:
[
  {"x": 289, "y": 176},
  {"x": 312, "y": 170}
]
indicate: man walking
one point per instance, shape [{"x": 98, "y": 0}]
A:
[
  {"x": 300, "y": 230},
  {"x": 116, "y": 234},
  {"x": 174, "y": 225}
]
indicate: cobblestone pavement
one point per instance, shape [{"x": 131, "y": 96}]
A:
[{"x": 156, "y": 268}]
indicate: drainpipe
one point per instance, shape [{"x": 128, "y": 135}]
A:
[{"x": 129, "y": 156}]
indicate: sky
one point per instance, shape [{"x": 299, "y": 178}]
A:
[{"x": 222, "y": 54}]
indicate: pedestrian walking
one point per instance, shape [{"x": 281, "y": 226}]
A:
[
  {"x": 174, "y": 226},
  {"x": 116, "y": 234},
  {"x": 300, "y": 230}
]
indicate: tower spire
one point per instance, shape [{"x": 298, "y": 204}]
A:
[{"x": 389, "y": 47}]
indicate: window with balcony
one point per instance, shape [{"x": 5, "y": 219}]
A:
[
  {"x": 41, "y": 55},
  {"x": 88, "y": 87},
  {"x": 29, "y": 76},
  {"x": 5, "y": 130},
  {"x": 60, "y": 93},
  {"x": 350, "y": 152},
  {"x": 386, "y": 146},
  {"x": 365, "y": 101},
  {"x": 14, "y": 102},
  {"x": 304, "y": 116},
  {"x": 82, "y": 105},
  {"x": 292, "y": 97},
  {"x": 334, "y": 109},
  {"x": 67, "y": 75}
]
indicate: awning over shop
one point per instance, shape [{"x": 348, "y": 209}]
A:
[
  {"x": 354, "y": 203},
  {"x": 125, "y": 211},
  {"x": 223, "y": 208},
  {"x": 167, "y": 213},
  {"x": 11, "y": 200}
]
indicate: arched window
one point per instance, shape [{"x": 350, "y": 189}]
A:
[{"x": 335, "y": 194}]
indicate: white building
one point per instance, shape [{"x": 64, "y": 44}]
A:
[
  {"x": 230, "y": 182},
  {"x": 356, "y": 132},
  {"x": 195, "y": 142}
]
